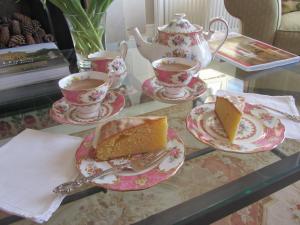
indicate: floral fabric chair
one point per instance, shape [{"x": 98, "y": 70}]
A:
[{"x": 276, "y": 22}]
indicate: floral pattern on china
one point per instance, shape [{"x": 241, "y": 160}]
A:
[
  {"x": 117, "y": 66},
  {"x": 180, "y": 38},
  {"x": 129, "y": 180},
  {"x": 84, "y": 96},
  {"x": 117, "y": 71},
  {"x": 258, "y": 130},
  {"x": 64, "y": 113},
  {"x": 153, "y": 88}
]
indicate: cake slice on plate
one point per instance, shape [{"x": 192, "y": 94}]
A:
[
  {"x": 128, "y": 136},
  {"x": 229, "y": 110}
]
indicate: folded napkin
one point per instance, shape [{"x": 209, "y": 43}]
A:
[
  {"x": 282, "y": 103},
  {"x": 31, "y": 165}
]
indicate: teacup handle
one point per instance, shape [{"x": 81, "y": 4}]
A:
[
  {"x": 110, "y": 79},
  {"x": 123, "y": 49},
  {"x": 211, "y": 32}
]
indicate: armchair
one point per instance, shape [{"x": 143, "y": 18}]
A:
[{"x": 263, "y": 20}]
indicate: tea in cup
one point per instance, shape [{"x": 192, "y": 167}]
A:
[
  {"x": 85, "y": 91},
  {"x": 112, "y": 63},
  {"x": 174, "y": 74}
]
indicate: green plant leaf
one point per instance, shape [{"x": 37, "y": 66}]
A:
[{"x": 85, "y": 25}]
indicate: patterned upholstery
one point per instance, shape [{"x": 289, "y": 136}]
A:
[
  {"x": 288, "y": 40},
  {"x": 290, "y": 6}
]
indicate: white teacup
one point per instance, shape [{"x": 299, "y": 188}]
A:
[
  {"x": 85, "y": 91},
  {"x": 174, "y": 74},
  {"x": 111, "y": 62}
]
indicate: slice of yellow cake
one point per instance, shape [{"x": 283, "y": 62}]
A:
[
  {"x": 229, "y": 110},
  {"x": 130, "y": 136}
]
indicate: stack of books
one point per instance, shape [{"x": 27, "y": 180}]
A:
[{"x": 31, "y": 64}]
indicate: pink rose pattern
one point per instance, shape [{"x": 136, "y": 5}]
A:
[
  {"x": 61, "y": 108},
  {"x": 11, "y": 126},
  {"x": 175, "y": 154},
  {"x": 5, "y": 128},
  {"x": 273, "y": 135},
  {"x": 178, "y": 40},
  {"x": 95, "y": 95},
  {"x": 139, "y": 181},
  {"x": 91, "y": 169},
  {"x": 182, "y": 77},
  {"x": 30, "y": 121},
  {"x": 117, "y": 65}
]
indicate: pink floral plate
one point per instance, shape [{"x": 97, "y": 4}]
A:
[
  {"x": 258, "y": 130},
  {"x": 130, "y": 181},
  {"x": 194, "y": 89},
  {"x": 63, "y": 113}
]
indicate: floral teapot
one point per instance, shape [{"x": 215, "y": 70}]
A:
[{"x": 180, "y": 38}]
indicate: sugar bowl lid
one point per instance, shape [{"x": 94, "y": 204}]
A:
[{"x": 179, "y": 25}]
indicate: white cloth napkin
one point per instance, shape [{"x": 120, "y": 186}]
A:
[
  {"x": 282, "y": 103},
  {"x": 31, "y": 165}
]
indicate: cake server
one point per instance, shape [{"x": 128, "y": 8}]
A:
[{"x": 134, "y": 165}]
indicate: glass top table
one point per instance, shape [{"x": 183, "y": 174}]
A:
[{"x": 211, "y": 183}]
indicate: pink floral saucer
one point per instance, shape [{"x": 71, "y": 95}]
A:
[
  {"x": 258, "y": 130},
  {"x": 130, "y": 181},
  {"x": 63, "y": 113},
  {"x": 194, "y": 89}
]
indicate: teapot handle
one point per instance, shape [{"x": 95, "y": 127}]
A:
[
  {"x": 210, "y": 33},
  {"x": 123, "y": 48}
]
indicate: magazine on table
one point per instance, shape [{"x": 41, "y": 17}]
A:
[
  {"x": 250, "y": 55},
  {"x": 31, "y": 64}
]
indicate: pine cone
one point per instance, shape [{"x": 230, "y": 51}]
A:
[
  {"x": 2, "y": 45},
  {"x": 36, "y": 24},
  {"x": 5, "y": 20},
  {"x": 15, "y": 27},
  {"x": 16, "y": 40},
  {"x": 41, "y": 32},
  {"x": 29, "y": 39},
  {"x": 4, "y": 37},
  {"x": 27, "y": 28},
  {"x": 48, "y": 38},
  {"x": 22, "y": 18},
  {"x": 37, "y": 38}
]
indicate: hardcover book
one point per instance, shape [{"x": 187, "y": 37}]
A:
[
  {"x": 250, "y": 55},
  {"x": 31, "y": 64}
]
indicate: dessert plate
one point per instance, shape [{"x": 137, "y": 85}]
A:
[
  {"x": 62, "y": 112},
  {"x": 169, "y": 165},
  {"x": 258, "y": 130},
  {"x": 153, "y": 89}
]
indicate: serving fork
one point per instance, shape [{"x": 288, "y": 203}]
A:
[
  {"x": 133, "y": 165},
  {"x": 287, "y": 115}
]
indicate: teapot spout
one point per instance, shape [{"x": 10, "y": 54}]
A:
[{"x": 144, "y": 47}]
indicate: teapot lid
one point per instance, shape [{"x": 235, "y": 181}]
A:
[{"x": 179, "y": 25}]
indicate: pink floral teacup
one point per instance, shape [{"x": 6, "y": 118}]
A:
[
  {"x": 85, "y": 91},
  {"x": 111, "y": 62},
  {"x": 175, "y": 74}
]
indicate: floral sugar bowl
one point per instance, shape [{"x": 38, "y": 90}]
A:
[{"x": 180, "y": 38}]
